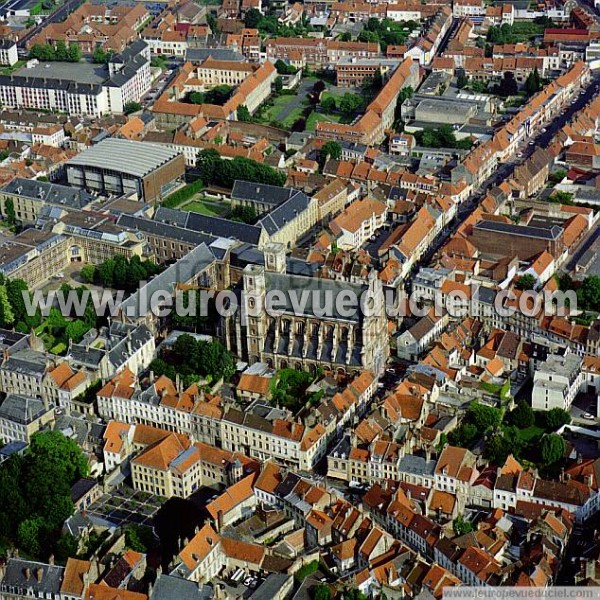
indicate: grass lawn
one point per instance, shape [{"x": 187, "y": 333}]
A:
[
  {"x": 311, "y": 122},
  {"x": 206, "y": 207},
  {"x": 273, "y": 112},
  {"x": 529, "y": 434},
  {"x": 9, "y": 70},
  {"x": 336, "y": 93},
  {"x": 524, "y": 31}
]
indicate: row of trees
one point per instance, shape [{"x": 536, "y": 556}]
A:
[
  {"x": 270, "y": 25},
  {"x": 192, "y": 359},
  {"x": 35, "y": 495},
  {"x": 386, "y": 32},
  {"x": 212, "y": 169},
  {"x": 120, "y": 272},
  {"x": 59, "y": 52},
  {"x": 442, "y": 137},
  {"x": 504, "y": 437},
  {"x": 13, "y": 310},
  {"x": 100, "y": 56},
  {"x": 349, "y": 105},
  {"x": 217, "y": 95},
  {"x": 588, "y": 291}
]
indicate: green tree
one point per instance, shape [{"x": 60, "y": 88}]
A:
[
  {"x": 66, "y": 547},
  {"x": 161, "y": 367},
  {"x": 507, "y": 86},
  {"x": 55, "y": 322},
  {"x": 331, "y": 150},
  {"x": 522, "y": 416},
  {"x": 500, "y": 445},
  {"x": 345, "y": 37},
  {"x": 216, "y": 360},
  {"x": 368, "y": 36},
  {"x": 9, "y": 211},
  {"x": 243, "y": 114},
  {"x": 461, "y": 526},
  {"x": 588, "y": 295},
  {"x": 462, "y": 80},
  {"x": 120, "y": 272},
  {"x": 74, "y": 53},
  {"x": 350, "y": 104},
  {"x": 16, "y": 290},
  {"x": 552, "y": 448},
  {"x": 7, "y": 316},
  {"x": 253, "y": 18},
  {"x": 278, "y": 84},
  {"x": 105, "y": 273},
  {"x": 59, "y": 454},
  {"x": 483, "y": 417},
  {"x": 76, "y": 330},
  {"x": 131, "y": 107},
  {"x": 29, "y": 535},
  {"x": 206, "y": 164},
  {"x": 218, "y": 95},
  {"x": 100, "y": 56},
  {"x": 560, "y": 197},
  {"x": 88, "y": 273},
  {"x": 328, "y": 104},
  {"x": 525, "y": 282},
  {"x": 244, "y": 214},
  {"x": 138, "y": 538},
  {"x": 284, "y": 69},
  {"x": 533, "y": 83},
  {"x": 464, "y": 436},
  {"x": 556, "y": 418},
  {"x": 322, "y": 592}
]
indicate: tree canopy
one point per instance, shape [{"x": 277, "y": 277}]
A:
[
  {"x": 35, "y": 492},
  {"x": 123, "y": 273},
  {"x": 59, "y": 52},
  {"x": 213, "y": 169},
  {"x": 193, "y": 359},
  {"x": 552, "y": 448}
]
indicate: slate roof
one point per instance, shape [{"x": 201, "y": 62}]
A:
[
  {"x": 260, "y": 192},
  {"x": 285, "y": 212},
  {"x": 551, "y": 233},
  {"x": 322, "y": 289},
  {"x": 167, "y": 587},
  {"x": 16, "y": 576},
  {"x": 165, "y": 230},
  {"x": 182, "y": 271},
  {"x": 210, "y": 225},
  {"x": 50, "y": 193}
]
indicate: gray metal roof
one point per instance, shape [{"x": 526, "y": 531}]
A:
[{"x": 124, "y": 156}]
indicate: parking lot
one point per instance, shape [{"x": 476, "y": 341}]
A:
[{"x": 125, "y": 506}]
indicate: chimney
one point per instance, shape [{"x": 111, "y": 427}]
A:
[
  {"x": 27, "y": 573},
  {"x": 51, "y": 560},
  {"x": 39, "y": 573}
]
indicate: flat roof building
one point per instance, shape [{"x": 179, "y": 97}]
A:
[{"x": 116, "y": 166}]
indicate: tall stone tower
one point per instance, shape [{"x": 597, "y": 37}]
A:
[
  {"x": 254, "y": 310},
  {"x": 275, "y": 257}
]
